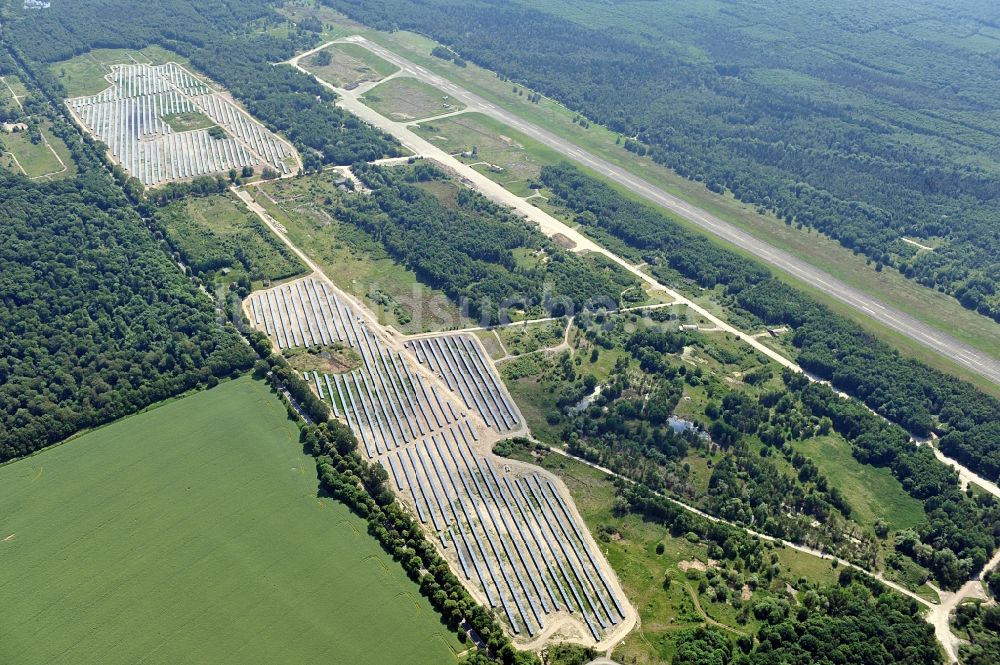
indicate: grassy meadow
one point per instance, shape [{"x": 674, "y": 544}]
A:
[
  {"x": 353, "y": 260},
  {"x": 402, "y": 99}
]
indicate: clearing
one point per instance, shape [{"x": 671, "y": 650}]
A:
[
  {"x": 347, "y": 65},
  {"x": 188, "y": 121},
  {"x": 36, "y": 160},
  {"x": 218, "y": 237},
  {"x": 873, "y": 493},
  {"x": 404, "y": 98},
  {"x": 86, "y": 73},
  {"x": 193, "y": 533},
  {"x": 495, "y": 150}
]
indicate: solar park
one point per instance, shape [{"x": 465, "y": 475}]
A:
[
  {"x": 129, "y": 117},
  {"x": 427, "y": 412}
]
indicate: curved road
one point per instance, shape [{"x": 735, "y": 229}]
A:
[{"x": 967, "y": 356}]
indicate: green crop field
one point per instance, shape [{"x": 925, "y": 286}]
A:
[
  {"x": 403, "y": 99},
  {"x": 192, "y": 533}
]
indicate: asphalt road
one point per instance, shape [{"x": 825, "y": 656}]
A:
[{"x": 971, "y": 358}]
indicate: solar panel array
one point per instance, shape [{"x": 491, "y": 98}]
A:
[
  {"x": 461, "y": 362},
  {"x": 129, "y": 117},
  {"x": 511, "y": 534}
]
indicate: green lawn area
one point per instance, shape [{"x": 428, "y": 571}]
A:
[
  {"x": 519, "y": 158},
  {"x": 403, "y": 99},
  {"x": 349, "y": 65},
  {"x": 36, "y": 159},
  {"x": 491, "y": 343},
  {"x": 873, "y": 493},
  {"x": 193, "y": 533},
  {"x": 353, "y": 260},
  {"x": 10, "y": 86},
  {"x": 16, "y": 86}
]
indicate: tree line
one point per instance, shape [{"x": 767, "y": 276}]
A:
[
  {"x": 364, "y": 487},
  {"x": 98, "y": 323}
]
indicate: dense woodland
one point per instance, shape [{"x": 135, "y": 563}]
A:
[
  {"x": 869, "y": 122},
  {"x": 907, "y": 392},
  {"x": 482, "y": 255},
  {"x": 228, "y": 42},
  {"x": 97, "y": 321},
  {"x": 867, "y": 624}
]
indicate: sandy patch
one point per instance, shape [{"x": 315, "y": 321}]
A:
[
  {"x": 697, "y": 565},
  {"x": 563, "y": 241}
]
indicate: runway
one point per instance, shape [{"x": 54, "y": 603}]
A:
[{"x": 967, "y": 356}]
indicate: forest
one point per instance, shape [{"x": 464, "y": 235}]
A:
[
  {"x": 869, "y": 122},
  {"x": 921, "y": 399},
  {"x": 482, "y": 255},
  {"x": 98, "y": 323},
  {"x": 227, "y": 41}
]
